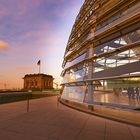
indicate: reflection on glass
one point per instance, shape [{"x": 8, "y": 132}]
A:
[
  {"x": 74, "y": 93},
  {"x": 117, "y": 59},
  {"x": 119, "y": 42},
  {"x": 75, "y": 74},
  {"x": 78, "y": 58}
]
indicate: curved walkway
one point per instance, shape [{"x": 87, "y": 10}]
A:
[{"x": 46, "y": 121}]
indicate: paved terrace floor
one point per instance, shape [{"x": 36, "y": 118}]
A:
[{"x": 46, "y": 121}]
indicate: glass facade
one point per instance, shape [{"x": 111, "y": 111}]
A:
[{"x": 102, "y": 57}]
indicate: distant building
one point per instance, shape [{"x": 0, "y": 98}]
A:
[{"x": 38, "y": 81}]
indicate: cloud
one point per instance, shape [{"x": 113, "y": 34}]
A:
[
  {"x": 25, "y": 5},
  {"x": 69, "y": 8},
  {"x": 3, "y": 45},
  {"x": 18, "y": 9},
  {"x": 3, "y": 12}
]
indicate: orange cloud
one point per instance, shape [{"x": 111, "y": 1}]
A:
[{"x": 3, "y": 45}]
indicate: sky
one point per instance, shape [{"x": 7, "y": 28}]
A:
[{"x": 33, "y": 30}]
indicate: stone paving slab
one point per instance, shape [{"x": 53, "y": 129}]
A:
[{"x": 46, "y": 121}]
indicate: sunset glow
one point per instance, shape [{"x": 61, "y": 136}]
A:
[{"x": 33, "y": 30}]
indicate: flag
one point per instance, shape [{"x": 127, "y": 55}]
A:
[{"x": 39, "y": 62}]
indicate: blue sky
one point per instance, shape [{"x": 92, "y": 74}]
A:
[{"x": 31, "y": 30}]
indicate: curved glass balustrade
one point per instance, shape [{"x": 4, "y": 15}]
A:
[{"x": 74, "y": 93}]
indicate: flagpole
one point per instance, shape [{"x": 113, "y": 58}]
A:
[
  {"x": 39, "y": 64},
  {"x": 39, "y": 69}
]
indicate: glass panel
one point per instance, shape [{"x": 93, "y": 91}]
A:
[
  {"x": 124, "y": 91},
  {"x": 123, "y": 63},
  {"x": 75, "y": 74},
  {"x": 74, "y": 93},
  {"x": 76, "y": 60},
  {"x": 121, "y": 14},
  {"x": 80, "y": 41},
  {"x": 119, "y": 42}
]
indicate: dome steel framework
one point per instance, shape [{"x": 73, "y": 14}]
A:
[{"x": 103, "y": 50}]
